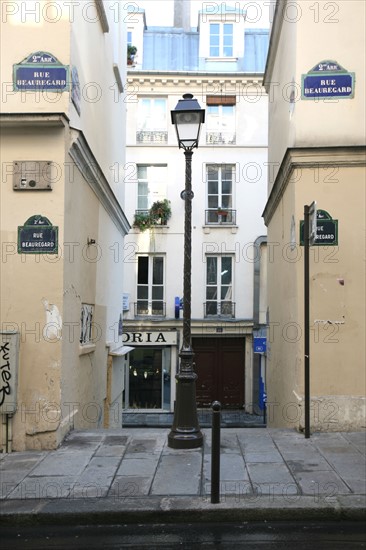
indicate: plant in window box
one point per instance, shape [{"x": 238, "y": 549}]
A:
[
  {"x": 160, "y": 212},
  {"x": 131, "y": 52},
  {"x": 142, "y": 221},
  {"x": 222, "y": 211}
]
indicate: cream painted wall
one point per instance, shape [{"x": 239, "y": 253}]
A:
[
  {"x": 30, "y": 27},
  {"x": 337, "y": 297},
  {"x": 28, "y": 282},
  {"x": 313, "y": 34}
]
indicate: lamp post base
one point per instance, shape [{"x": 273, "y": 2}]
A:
[{"x": 185, "y": 432}]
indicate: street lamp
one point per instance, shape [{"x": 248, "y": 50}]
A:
[{"x": 185, "y": 432}]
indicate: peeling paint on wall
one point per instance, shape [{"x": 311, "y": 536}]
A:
[{"x": 53, "y": 327}]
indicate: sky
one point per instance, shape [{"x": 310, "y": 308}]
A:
[{"x": 160, "y": 12}]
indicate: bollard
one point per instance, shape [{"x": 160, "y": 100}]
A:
[{"x": 215, "y": 453}]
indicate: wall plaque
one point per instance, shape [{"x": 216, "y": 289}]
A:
[{"x": 37, "y": 236}]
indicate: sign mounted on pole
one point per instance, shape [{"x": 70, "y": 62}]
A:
[
  {"x": 326, "y": 230},
  {"x": 41, "y": 71},
  {"x": 327, "y": 80}
]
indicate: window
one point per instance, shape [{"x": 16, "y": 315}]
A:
[
  {"x": 129, "y": 38},
  {"x": 150, "y": 285},
  {"x": 221, "y": 39},
  {"x": 220, "y": 124},
  {"x": 151, "y": 186},
  {"x": 220, "y": 180},
  {"x": 219, "y": 286},
  {"x": 86, "y": 322},
  {"x": 152, "y": 121}
]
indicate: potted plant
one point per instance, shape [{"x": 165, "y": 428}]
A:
[
  {"x": 142, "y": 220},
  {"x": 131, "y": 52},
  {"x": 222, "y": 211},
  {"x": 160, "y": 212}
]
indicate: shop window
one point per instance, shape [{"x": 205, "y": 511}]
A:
[{"x": 148, "y": 379}]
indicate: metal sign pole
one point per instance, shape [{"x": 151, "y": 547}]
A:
[{"x": 306, "y": 321}]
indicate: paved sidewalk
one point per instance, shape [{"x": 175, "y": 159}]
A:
[{"x": 132, "y": 475}]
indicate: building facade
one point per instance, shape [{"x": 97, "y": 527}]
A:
[
  {"x": 317, "y": 153},
  {"x": 62, "y": 222},
  {"x": 221, "y": 63}
]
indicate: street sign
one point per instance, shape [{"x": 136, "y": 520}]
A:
[
  {"x": 41, "y": 71},
  {"x": 37, "y": 236},
  {"x": 259, "y": 345},
  {"x": 327, "y": 80},
  {"x": 326, "y": 230}
]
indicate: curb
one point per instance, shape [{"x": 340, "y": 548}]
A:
[{"x": 178, "y": 510}]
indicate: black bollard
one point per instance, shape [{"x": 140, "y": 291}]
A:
[{"x": 215, "y": 453}]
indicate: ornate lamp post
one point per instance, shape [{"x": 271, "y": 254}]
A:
[{"x": 185, "y": 432}]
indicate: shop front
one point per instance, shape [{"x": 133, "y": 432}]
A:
[{"x": 148, "y": 384}]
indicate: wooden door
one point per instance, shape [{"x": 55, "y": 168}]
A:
[{"x": 219, "y": 365}]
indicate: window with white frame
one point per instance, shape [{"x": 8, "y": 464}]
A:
[
  {"x": 219, "y": 286},
  {"x": 151, "y": 185},
  {"x": 220, "y": 183},
  {"x": 221, "y": 39},
  {"x": 152, "y": 120},
  {"x": 86, "y": 324},
  {"x": 220, "y": 124},
  {"x": 150, "y": 285},
  {"x": 129, "y": 38}
]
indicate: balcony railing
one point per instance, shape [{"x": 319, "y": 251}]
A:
[
  {"x": 223, "y": 216},
  {"x": 152, "y": 136},
  {"x": 157, "y": 221},
  {"x": 214, "y": 308},
  {"x": 147, "y": 308},
  {"x": 220, "y": 138}
]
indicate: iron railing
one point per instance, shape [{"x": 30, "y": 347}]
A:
[
  {"x": 220, "y": 216},
  {"x": 217, "y": 308},
  {"x": 150, "y": 308}
]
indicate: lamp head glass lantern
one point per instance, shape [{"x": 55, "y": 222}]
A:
[{"x": 187, "y": 118}]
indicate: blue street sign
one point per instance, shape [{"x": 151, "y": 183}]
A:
[
  {"x": 259, "y": 345},
  {"x": 41, "y": 78}
]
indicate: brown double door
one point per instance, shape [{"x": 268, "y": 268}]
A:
[{"x": 220, "y": 370}]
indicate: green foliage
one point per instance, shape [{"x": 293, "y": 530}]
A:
[{"x": 159, "y": 213}]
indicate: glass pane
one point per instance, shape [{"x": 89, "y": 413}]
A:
[
  {"x": 227, "y": 110},
  {"x": 213, "y": 110},
  {"x": 213, "y": 187},
  {"x": 211, "y": 270},
  {"x": 211, "y": 308},
  {"x": 226, "y": 273},
  {"x": 226, "y": 293},
  {"x": 142, "y": 172},
  {"x": 158, "y": 293},
  {"x": 228, "y": 28},
  {"x": 226, "y": 187},
  {"x": 143, "y": 270},
  {"x": 226, "y": 201},
  {"x": 142, "y": 292},
  {"x": 213, "y": 202},
  {"x": 228, "y": 51},
  {"x": 158, "y": 271},
  {"x": 211, "y": 293},
  {"x": 215, "y": 40},
  {"x": 214, "y": 51},
  {"x": 212, "y": 172},
  {"x": 215, "y": 28},
  {"x": 142, "y": 307}
]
